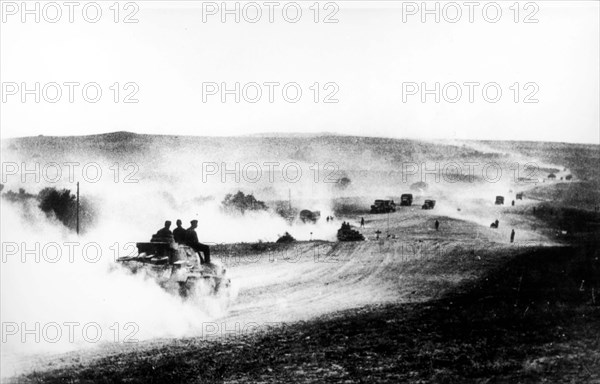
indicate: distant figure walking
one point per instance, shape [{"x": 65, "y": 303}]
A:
[
  {"x": 513, "y": 203},
  {"x": 362, "y": 222},
  {"x": 437, "y": 225},
  {"x": 192, "y": 241},
  {"x": 328, "y": 219},
  {"x": 179, "y": 233},
  {"x": 512, "y": 236}
]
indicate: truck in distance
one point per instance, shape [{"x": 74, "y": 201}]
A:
[
  {"x": 406, "y": 200},
  {"x": 383, "y": 206}
]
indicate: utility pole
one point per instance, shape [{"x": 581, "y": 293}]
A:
[
  {"x": 388, "y": 222},
  {"x": 78, "y": 208}
]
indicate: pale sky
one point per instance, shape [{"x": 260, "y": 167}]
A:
[{"x": 369, "y": 54}]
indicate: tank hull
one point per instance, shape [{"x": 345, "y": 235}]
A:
[{"x": 178, "y": 270}]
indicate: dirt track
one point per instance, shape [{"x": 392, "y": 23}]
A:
[
  {"x": 300, "y": 281},
  {"x": 459, "y": 304},
  {"x": 522, "y": 320},
  {"x": 382, "y": 309}
]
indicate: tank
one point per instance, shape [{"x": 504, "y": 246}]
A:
[
  {"x": 178, "y": 270},
  {"x": 346, "y": 233},
  {"x": 499, "y": 200}
]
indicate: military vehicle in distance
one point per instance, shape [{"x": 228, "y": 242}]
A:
[
  {"x": 520, "y": 196},
  {"x": 429, "y": 204},
  {"x": 346, "y": 233},
  {"x": 499, "y": 200},
  {"x": 383, "y": 206},
  {"x": 177, "y": 269},
  {"x": 406, "y": 200},
  {"x": 308, "y": 216}
]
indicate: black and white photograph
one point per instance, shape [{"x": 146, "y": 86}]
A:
[{"x": 309, "y": 191}]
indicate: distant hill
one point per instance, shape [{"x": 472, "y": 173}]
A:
[
  {"x": 371, "y": 163},
  {"x": 352, "y": 151}
]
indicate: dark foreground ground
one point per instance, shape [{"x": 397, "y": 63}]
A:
[{"x": 532, "y": 318}]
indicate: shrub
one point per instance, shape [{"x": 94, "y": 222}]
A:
[
  {"x": 63, "y": 205},
  {"x": 60, "y": 203},
  {"x": 241, "y": 203},
  {"x": 286, "y": 238}
]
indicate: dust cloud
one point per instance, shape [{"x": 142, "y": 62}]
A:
[
  {"x": 51, "y": 277},
  {"x": 63, "y": 292}
]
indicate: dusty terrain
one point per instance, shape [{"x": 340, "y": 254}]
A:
[
  {"x": 472, "y": 313},
  {"x": 461, "y": 304}
]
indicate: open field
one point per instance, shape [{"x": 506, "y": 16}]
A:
[
  {"x": 409, "y": 304},
  {"x": 506, "y": 315},
  {"x": 518, "y": 323}
]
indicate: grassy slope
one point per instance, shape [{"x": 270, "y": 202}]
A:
[
  {"x": 526, "y": 314},
  {"x": 524, "y": 321},
  {"x": 367, "y": 159},
  {"x": 526, "y": 317}
]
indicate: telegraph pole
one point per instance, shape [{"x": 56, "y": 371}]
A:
[
  {"x": 388, "y": 222},
  {"x": 78, "y": 208}
]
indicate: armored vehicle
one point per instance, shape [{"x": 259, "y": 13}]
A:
[
  {"x": 178, "y": 270},
  {"x": 346, "y": 233}
]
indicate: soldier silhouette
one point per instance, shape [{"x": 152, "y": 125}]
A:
[
  {"x": 192, "y": 241},
  {"x": 164, "y": 234},
  {"x": 179, "y": 233},
  {"x": 166, "y": 230}
]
